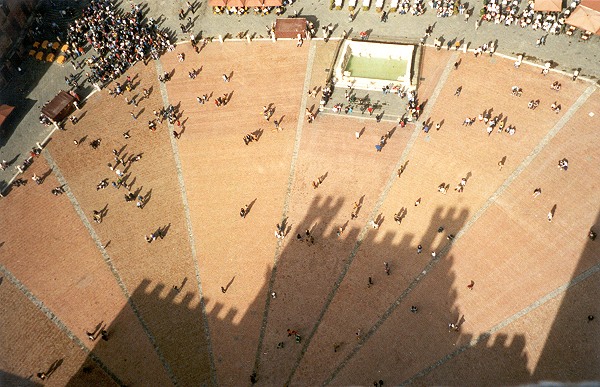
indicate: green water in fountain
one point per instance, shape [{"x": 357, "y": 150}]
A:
[{"x": 376, "y": 68}]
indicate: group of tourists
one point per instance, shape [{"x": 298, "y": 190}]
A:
[{"x": 120, "y": 39}]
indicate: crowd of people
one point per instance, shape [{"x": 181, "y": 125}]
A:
[
  {"x": 507, "y": 13},
  {"x": 445, "y": 8},
  {"x": 416, "y": 8},
  {"x": 120, "y": 39},
  {"x": 263, "y": 11}
]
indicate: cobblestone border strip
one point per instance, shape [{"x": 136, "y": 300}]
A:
[
  {"x": 41, "y": 144},
  {"x": 538, "y": 303},
  {"x": 541, "y": 145},
  {"x": 431, "y": 102},
  {"x": 286, "y": 203},
  {"x": 382, "y": 197},
  {"x": 190, "y": 231},
  {"x": 107, "y": 260},
  {"x": 59, "y": 324}
]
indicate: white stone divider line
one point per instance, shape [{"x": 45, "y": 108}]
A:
[
  {"x": 190, "y": 231},
  {"x": 288, "y": 193},
  {"x": 107, "y": 260},
  {"x": 541, "y": 145},
  {"x": 523, "y": 312},
  {"x": 378, "y": 204},
  {"x": 43, "y": 144},
  {"x": 57, "y": 322}
]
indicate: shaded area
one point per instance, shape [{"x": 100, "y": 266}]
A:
[
  {"x": 570, "y": 342},
  {"x": 572, "y": 350},
  {"x": 362, "y": 307},
  {"x": 161, "y": 297},
  {"x": 8, "y": 379}
]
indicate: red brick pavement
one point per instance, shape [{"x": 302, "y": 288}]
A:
[
  {"x": 500, "y": 251},
  {"x": 149, "y": 271},
  {"x": 511, "y": 250},
  {"x": 30, "y": 343},
  {"x": 516, "y": 349},
  {"x": 433, "y": 63},
  {"x": 222, "y": 174},
  {"x": 355, "y": 172},
  {"x": 49, "y": 250}
]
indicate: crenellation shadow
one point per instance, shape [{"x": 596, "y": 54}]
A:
[{"x": 329, "y": 267}]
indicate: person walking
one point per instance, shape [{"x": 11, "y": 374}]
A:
[{"x": 501, "y": 164}]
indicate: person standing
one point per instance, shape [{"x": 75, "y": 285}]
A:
[{"x": 501, "y": 164}]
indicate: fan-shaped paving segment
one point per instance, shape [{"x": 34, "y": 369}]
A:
[
  {"x": 443, "y": 156},
  {"x": 144, "y": 268},
  {"x": 512, "y": 252},
  {"x": 32, "y": 342},
  {"x": 222, "y": 175},
  {"x": 51, "y": 252}
]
